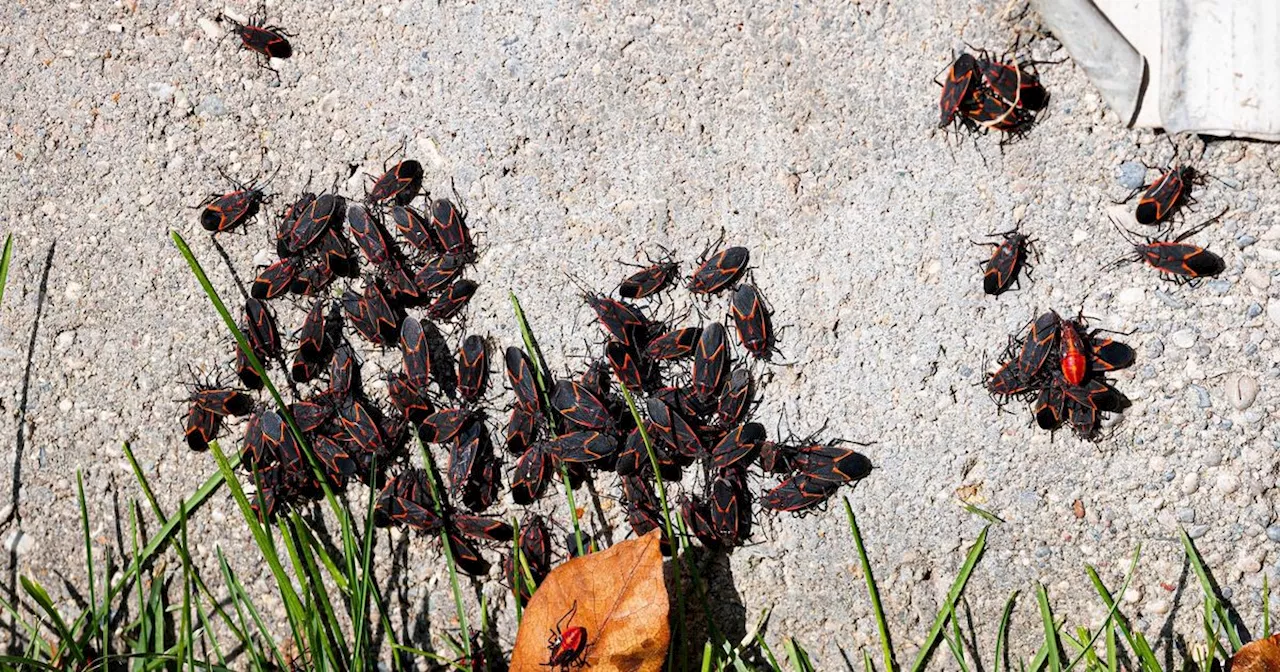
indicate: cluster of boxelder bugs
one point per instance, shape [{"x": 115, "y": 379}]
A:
[
  {"x": 984, "y": 93},
  {"x": 1060, "y": 366},
  {"x": 696, "y": 397},
  {"x": 350, "y": 434}
]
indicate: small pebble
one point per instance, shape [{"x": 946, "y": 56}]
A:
[
  {"x": 1273, "y": 533},
  {"x": 115, "y": 28},
  {"x": 1186, "y": 515},
  {"x": 1257, "y": 277},
  {"x": 211, "y": 106},
  {"x": 1219, "y": 286},
  {"x": 1268, "y": 254},
  {"x": 1131, "y": 296},
  {"x": 210, "y": 28},
  {"x": 1228, "y": 483},
  {"x": 1131, "y": 175},
  {"x": 1190, "y": 484},
  {"x": 1197, "y": 531},
  {"x": 1043, "y": 552},
  {"x": 1245, "y": 240},
  {"x": 1170, "y": 300},
  {"x": 1249, "y": 565},
  {"x": 1157, "y": 606},
  {"x": 1254, "y": 310},
  {"x": 1155, "y": 349},
  {"x": 1273, "y": 311},
  {"x": 1213, "y": 457},
  {"x": 1184, "y": 338},
  {"x": 161, "y": 90},
  {"x": 1241, "y": 391},
  {"x": 1201, "y": 396},
  {"x": 1132, "y": 595}
]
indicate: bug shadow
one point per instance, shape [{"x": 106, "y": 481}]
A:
[
  {"x": 20, "y": 440},
  {"x": 728, "y": 613}
]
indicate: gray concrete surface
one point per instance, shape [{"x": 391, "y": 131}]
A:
[{"x": 580, "y": 134}]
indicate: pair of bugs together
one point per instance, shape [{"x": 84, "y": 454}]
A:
[{"x": 985, "y": 93}]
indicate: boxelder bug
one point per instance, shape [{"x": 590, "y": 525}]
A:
[
  {"x": 626, "y": 365},
  {"x": 739, "y": 444},
  {"x": 473, "y": 367},
  {"x": 795, "y": 494},
  {"x": 735, "y": 400},
  {"x": 710, "y": 362},
  {"x": 580, "y": 406},
  {"x": 437, "y": 273},
  {"x": 520, "y": 374},
  {"x": 417, "y": 355},
  {"x": 463, "y": 455},
  {"x": 268, "y": 41},
  {"x": 1177, "y": 261},
  {"x": 313, "y": 220},
  {"x": 260, "y": 329},
  {"x": 444, "y": 425},
  {"x": 730, "y": 513},
  {"x": 1008, "y": 257},
  {"x": 533, "y": 472},
  {"x": 568, "y": 647},
  {"x": 368, "y": 234},
  {"x": 1038, "y": 345},
  {"x": 202, "y": 427},
  {"x": 648, "y": 281},
  {"x": 1160, "y": 198},
  {"x": 1071, "y": 352},
  {"x": 587, "y": 446},
  {"x": 452, "y": 230},
  {"x": 222, "y": 401},
  {"x": 410, "y": 399},
  {"x": 414, "y": 227},
  {"x": 719, "y": 270},
  {"x": 520, "y": 429},
  {"x": 448, "y": 304},
  {"x": 621, "y": 322},
  {"x": 311, "y": 337},
  {"x": 401, "y": 182},
  {"x": 674, "y": 344},
  {"x": 344, "y": 373},
  {"x": 225, "y": 212},
  {"x": 755, "y": 329},
  {"x": 961, "y": 75}
]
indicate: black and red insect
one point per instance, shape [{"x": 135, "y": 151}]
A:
[
  {"x": 1162, "y": 197},
  {"x": 473, "y": 367},
  {"x": 796, "y": 494},
  {"x": 314, "y": 217},
  {"x": 368, "y": 234},
  {"x": 1178, "y": 262},
  {"x": 710, "y": 362},
  {"x": 735, "y": 400},
  {"x": 623, "y": 323},
  {"x": 533, "y": 472},
  {"x": 520, "y": 375},
  {"x": 401, "y": 182},
  {"x": 962, "y": 76},
  {"x": 312, "y": 337},
  {"x": 674, "y": 344},
  {"x": 580, "y": 407},
  {"x": 1008, "y": 258},
  {"x": 739, "y": 444},
  {"x": 751, "y": 317},
  {"x": 585, "y": 446},
  {"x": 452, "y": 230},
  {"x": 416, "y": 353},
  {"x": 445, "y": 424},
  {"x": 227, "y": 211},
  {"x": 719, "y": 270},
  {"x": 415, "y": 229},
  {"x": 437, "y": 273},
  {"x": 412, "y": 400},
  {"x": 648, "y": 281},
  {"x": 222, "y": 401},
  {"x": 568, "y": 646},
  {"x": 268, "y": 41},
  {"x": 626, "y": 365},
  {"x": 729, "y": 511},
  {"x": 201, "y": 427},
  {"x": 521, "y": 427},
  {"x": 275, "y": 279},
  {"x": 452, "y": 301}
]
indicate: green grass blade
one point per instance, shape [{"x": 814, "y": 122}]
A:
[
  {"x": 983, "y": 514},
  {"x": 5, "y": 259},
  {"x": 1003, "y": 633},
  {"x": 240, "y": 598},
  {"x": 293, "y": 604},
  {"x": 98, "y": 614},
  {"x": 1050, "y": 629},
  {"x": 185, "y": 646},
  {"x": 1113, "y": 655},
  {"x": 1111, "y": 613},
  {"x": 1137, "y": 642},
  {"x": 768, "y": 652},
  {"x": 437, "y": 499},
  {"x": 41, "y": 597},
  {"x": 955, "y": 640},
  {"x": 1210, "y": 595},
  {"x": 886, "y": 645},
  {"x": 953, "y": 595}
]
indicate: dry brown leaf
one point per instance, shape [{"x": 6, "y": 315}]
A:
[
  {"x": 1077, "y": 508},
  {"x": 621, "y": 598},
  {"x": 1260, "y": 656}
]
